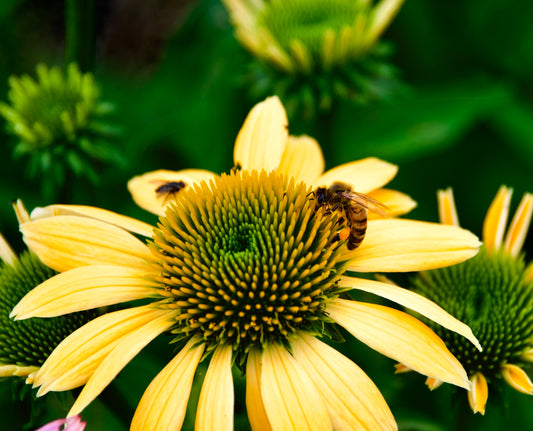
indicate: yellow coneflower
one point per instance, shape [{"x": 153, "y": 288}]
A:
[
  {"x": 311, "y": 52},
  {"x": 493, "y": 294},
  {"x": 243, "y": 268},
  {"x": 25, "y": 345}
]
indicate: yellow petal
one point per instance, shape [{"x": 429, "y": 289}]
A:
[
  {"x": 528, "y": 273},
  {"x": 263, "y": 136},
  {"x": 66, "y": 242},
  {"x": 164, "y": 403},
  {"x": 215, "y": 406},
  {"x": 397, "y": 203},
  {"x": 516, "y": 235},
  {"x": 433, "y": 384},
  {"x": 413, "y": 301},
  {"x": 401, "y": 368},
  {"x": 7, "y": 370},
  {"x": 154, "y": 190},
  {"x": 517, "y": 378},
  {"x": 383, "y": 13},
  {"x": 117, "y": 359},
  {"x": 21, "y": 212},
  {"x": 291, "y": 400},
  {"x": 302, "y": 159},
  {"x": 84, "y": 288},
  {"x": 395, "y": 245},
  {"x": 400, "y": 337},
  {"x": 254, "y": 402},
  {"x": 352, "y": 399},
  {"x": 447, "y": 211},
  {"x": 363, "y": 175},
  {"x": 478, "y": 395},
  {"x": 74, "y": 360},
  {"x": 124, "y": 222},
  {"x": 6, "y": 252},
  {"x": 496, "y": 219}
]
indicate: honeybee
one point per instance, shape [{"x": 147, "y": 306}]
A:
[
  {"x": 169, "y": 188},
  {"x": 354, "y": 207}
]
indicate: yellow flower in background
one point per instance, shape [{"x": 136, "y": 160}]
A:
[
  {"x": 312, "y": 51},
  {"x": 493, "y": 294},
  {"x": 245, "y": 269}
]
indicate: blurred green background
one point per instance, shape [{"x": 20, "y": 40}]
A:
[{"x": 176, "y": 74}]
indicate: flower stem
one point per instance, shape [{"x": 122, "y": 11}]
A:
[{"x": 79, "y": 34}]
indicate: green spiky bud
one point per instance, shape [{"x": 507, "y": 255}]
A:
[{"x": 59, "y": 120}]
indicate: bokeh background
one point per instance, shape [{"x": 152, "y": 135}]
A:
[{"x": 177, "y": 76}]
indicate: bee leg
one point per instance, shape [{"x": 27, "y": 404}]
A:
[{"x": 340, "y": 220}]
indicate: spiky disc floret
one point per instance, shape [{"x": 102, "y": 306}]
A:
[
  {"x": 247, "y": 261},
  {"x": 29, "y": 342},
  {"x": 308, "y": 22},
  {"x": 490, "y": 294}
]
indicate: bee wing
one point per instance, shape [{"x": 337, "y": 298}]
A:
[{"x": 367, "y": 202}]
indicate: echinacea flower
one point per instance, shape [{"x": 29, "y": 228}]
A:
[
  {"x": 25, "y": 345},
  {"x": 58, "y": 119},
  {"x": 311, "y": 52},
  {"x": 245, "y": 269},
  {"x": 493, "y": 294},
  {"x": 72, "y": 423}
]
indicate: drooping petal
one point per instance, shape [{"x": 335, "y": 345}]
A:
[
  {"x": 74, "y": 360},
  {"x": 400, "y": 337},
  {"x": 395, "y": 245},
  {"x": 261, "y": 141},
  {"x": 153, "y": 191},
  {"x": 496, "y": 219},
  {"x": 447, "y": 211},
  {"x": 118, "y": 358},
  {"x": 291, "y": 400},
  {"x": 302, "y": 159},
  {"x": 124, "y": 222},
  {"x": 363, "y": 175},
  {"x": 352, "y": 399},
  {"x": 516, "y": 235},
  {"x": 164, "y": 403},
  {"x": 478, "y": 395},
  {"x": 215, "y": 406},
  {"x": 254, "y": 402},
  {"x": 413, "y": 301},
  {"x": 517, "y": 378},
  {"x": 84, "y": 288},
  {"x": 66, "y": 242},
  {"x": 397, "y": 203}
]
